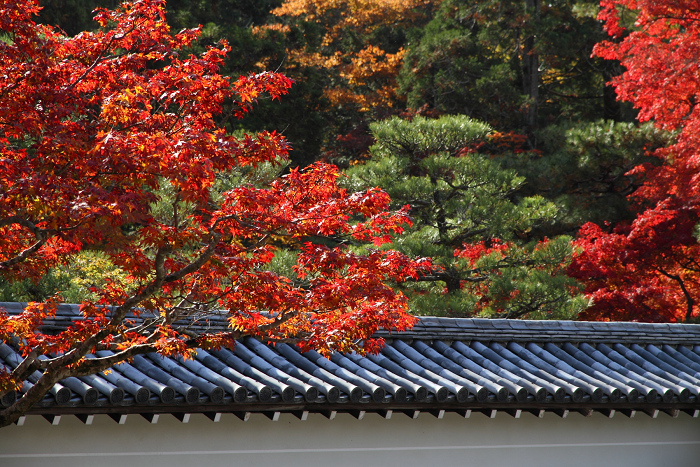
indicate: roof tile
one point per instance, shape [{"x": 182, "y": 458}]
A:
[{"x": 442, "y": 363}]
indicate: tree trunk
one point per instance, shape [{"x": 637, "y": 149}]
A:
[{"x": 531, "y": 65}]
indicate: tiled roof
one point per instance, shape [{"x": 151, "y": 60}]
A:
[{"x": 442, "y": 364}]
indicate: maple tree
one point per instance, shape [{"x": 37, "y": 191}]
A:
[
  {"x": 235, "y": 21},
  {"x": 108, "y": 144},
  {"x": 648, "y": 269}
]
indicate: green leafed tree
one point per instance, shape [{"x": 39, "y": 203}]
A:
[
  {"x": 587, "y": 169},
  {"x": 516, "y": 64},
  {"x": 468, "y": 216}
]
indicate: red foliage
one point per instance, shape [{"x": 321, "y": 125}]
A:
[
  {"x": 474, "y": 251},
  {"x": 648, "y": 270},
  {"x": 94, "y": 128}
]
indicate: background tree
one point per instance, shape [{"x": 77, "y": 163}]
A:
[
  {"x": 648, "y": 269},
  {"x": 361, "y": 41},
  {"x": 356, "y": 50},
  {"x": 469, "y": 217},
  {"x": 584, "y": 168},
  {"x": 72, "y": 16},
  {"x": 516, "y": 64},
  {"x": 347, "y": 57},
  {"x": 109, "y": 144}
]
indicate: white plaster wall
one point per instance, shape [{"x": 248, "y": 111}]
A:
[{"x": 345, "y": 441}]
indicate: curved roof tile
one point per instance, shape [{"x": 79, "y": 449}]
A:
[{"x": 442, "y": 364}]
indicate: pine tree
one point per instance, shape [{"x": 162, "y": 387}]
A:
[{"x": 469, "y": 218}]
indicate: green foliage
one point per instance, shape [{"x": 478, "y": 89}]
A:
[
  {"x": 473, "y": 58},
  {"x": 531, "y": 281},
  {"x": 28, "y": 290},
  {"x": 73, "y": 281},
  {"x": 241, "y": 13},
  {"x": 448, "y": 69},
  {"x": 471, "y": 218},
  {"x": 585, "y": 169},
  {"x": 422, "y": 136}
]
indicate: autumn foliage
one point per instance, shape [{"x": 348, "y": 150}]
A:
[
  {"x": 648, "y": 269},
  {"x": 109, "y": 143},
  {"x": 353, "y": 46}
]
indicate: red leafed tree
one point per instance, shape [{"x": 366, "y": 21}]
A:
[
  {"x": 97, "y": 130},
  {"x": 649, "y": 269}
]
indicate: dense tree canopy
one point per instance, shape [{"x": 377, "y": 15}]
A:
[
  {"x": 586, "y": 169},
  {"x": 109, "y": 144},
  {"x": 517, "y": 64},
  {"x": 362, "y": 42},
  {"x": 352, "y": 52},
  {"x": 648, "y": 269}
]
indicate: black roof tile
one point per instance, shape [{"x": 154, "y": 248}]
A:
[{"x": 441, "y": 364}]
